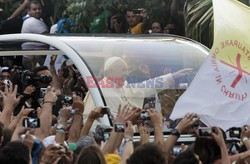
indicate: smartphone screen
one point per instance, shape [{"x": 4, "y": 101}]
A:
[
  {"x": 119, "y": 128},
  {"x": 204, "y": 132},
  {"x": 106, "y": 136},
  {"x": 31, "y": 122}
]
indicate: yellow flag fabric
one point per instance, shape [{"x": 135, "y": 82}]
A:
[{"x": 220, "y": 92}]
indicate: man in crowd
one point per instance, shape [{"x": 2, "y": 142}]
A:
[
  {"x": 33, "y": 24},
  {"x": 134, "y": 17}
]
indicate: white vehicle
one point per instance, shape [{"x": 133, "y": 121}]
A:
[{"x": 148, "y": 56}]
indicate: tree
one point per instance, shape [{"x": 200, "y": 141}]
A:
[{"x": 199, "y": 24}]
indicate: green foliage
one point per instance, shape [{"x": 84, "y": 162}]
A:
[
  {"x": 198, "y": 16},
  {"x": 199, "y": 23},
  {"x": 7, "y": 8}
]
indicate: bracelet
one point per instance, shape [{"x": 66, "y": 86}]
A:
[
  {"x": 128, "y": 139},
  {"x": 244, "y": 139}
]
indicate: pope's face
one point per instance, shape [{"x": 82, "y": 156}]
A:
[{"x": 119, "y": 70}]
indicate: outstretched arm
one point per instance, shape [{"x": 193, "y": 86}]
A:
[{"x": 20, "y": 9}]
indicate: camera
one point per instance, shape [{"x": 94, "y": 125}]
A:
[
  {"x": 205, "y": 132},
  {"x": 29, "y": 78},
  {"x": 45, "y": 79},
  {"x": 137, "y": 11},
  {"x": 119, "y": 128},
  {"x": 68, "y": 100},
  {"x": 43, "y": 91},
  {"x": 144, "y": 116},
  {"x": 7, "y": 82},
  {"x": 234, "y": 132},
  {"x": 31, "y": 122}
]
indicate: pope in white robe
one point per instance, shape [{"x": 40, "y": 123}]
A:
[{"x": 116, "y": 89}]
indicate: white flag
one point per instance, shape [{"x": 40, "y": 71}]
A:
[{"x": 220, "y": 92}]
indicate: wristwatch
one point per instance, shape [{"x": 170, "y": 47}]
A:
[
  {"x": 175, "y": 132},
  {"x": 127, "y": 139}
]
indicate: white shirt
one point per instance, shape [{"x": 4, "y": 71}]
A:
[{"x": 34, "y": 26}]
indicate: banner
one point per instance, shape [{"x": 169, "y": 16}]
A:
[{"x": 220, "y": 92}]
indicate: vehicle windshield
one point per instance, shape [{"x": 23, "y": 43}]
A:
[{"x": 140, "y": 71}]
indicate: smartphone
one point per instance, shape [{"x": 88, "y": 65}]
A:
[
  {"x": 119, "y": 128},
  {"x": 234, "y": 132},
  {"x": 144, "y": 116},
  {"x": 31, "y": 122},
  {"x": 105, "y": 110},
  {"x": 205, "y": 132},
  {"x": 106, "y": 136},
  {"x": 42, "y": 92}
]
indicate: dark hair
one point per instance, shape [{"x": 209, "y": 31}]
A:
[
  {"x": 40, "y": 68},
  {"x": 91, "y": 155},
  {"x": 33, "y": 2},
  {"x": 14, "y": 152},
  {"x": 156, "y": 21},
  {"x": 148, "y": 153},
  {"x": 186, "y": 157},
  {"x": 207, "y": 149}
]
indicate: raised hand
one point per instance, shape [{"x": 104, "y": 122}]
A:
[
  {"x": 10, "y": 98},
  {"x": 186, "y": 123}
]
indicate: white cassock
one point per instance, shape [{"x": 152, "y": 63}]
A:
[{"x": 131, "y": 94}]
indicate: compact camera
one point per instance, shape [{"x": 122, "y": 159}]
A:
[{"x": 43, "y": 91}]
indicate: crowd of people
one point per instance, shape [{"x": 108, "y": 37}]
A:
[
  {"x": 41, "y": 118},
  {"x": 42, "y": 121},
  {"x": 132, "y": 21},
  {"x": 47, "y": 135}
]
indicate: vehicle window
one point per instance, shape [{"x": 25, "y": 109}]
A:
[{"x": 138, "y": 72}]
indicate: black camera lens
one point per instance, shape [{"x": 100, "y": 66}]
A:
[{"x": 45, "y": 79}]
